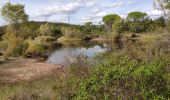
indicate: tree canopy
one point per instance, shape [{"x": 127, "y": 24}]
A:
[
  {"x": 14, "y": 13},
  {"x": 136, "y": 16},
  {"x": 111, "y": 19},
  {"x": 88, "y": 24}
]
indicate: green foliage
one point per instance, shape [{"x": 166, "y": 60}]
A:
[
  {"x": 1, "y": 32},
  {"x": 137, "y": 27},
  {"x": 111, "y": 19},
  {"x": 88, "y": 24},
  {"x": 14, "y": 13},
  {"x": 137, "y": 22},
  {"x": 46, "y": 30},
  {"x": 162, "y": 5},
  {"x": 36, "y": 49},
  {"x": 117, "y": 77},
  {"x": 44, "y": 39},
  {"x": 137, "y": 16},
  {"x": 27, "y": 30},
  {"x": 39, "y": 46},
  {"x": 167, "y": 4},
  {"x": 15, "y": 47},
  {"x": 119, "y": 27},
  {"x": 11, "y": 44},
  {"x": 160, "y": 21},
  {"x": 139, "y": 71}
]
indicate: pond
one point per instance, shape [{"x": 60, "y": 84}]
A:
[{"x": 71, "y": 50}]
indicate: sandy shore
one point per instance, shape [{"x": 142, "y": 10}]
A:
[{"x": 22, "y": 69}]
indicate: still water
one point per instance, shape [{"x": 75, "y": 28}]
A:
[{"x": 69, "y": 51}]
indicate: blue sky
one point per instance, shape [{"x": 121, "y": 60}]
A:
[{"x": 81, "y": 11}]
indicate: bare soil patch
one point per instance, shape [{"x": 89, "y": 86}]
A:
[{"x": 22, "y": 69}]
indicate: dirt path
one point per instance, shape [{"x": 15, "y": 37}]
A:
[{"x": 22, "y": 69}]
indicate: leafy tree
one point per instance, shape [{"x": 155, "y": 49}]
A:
[
  {"x": 88, "y": 24},
  {"x": 14, "y": 13},
  {"x": 160, "y": 21},
  {"x": 110, "y": 20},
  {"x": 121, "y": 27},
  {"x": 162, "y": 5},
  {"x": 46, "y": 30},
  {"x": 137, "y": 16},
  {"x": 137, "y": 22}
]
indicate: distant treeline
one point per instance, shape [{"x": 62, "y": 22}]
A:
[
  {"x": 135, "y": 22},
  {"x": 58, "y": 29},
  {"x": 24, "y": 37}
]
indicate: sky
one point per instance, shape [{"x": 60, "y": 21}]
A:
[{"x": 81, "y": 11}]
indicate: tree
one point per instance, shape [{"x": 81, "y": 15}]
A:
[
  {"x": 110, "y": 20},
  {"x": 137, "y": 21},
  {"x": 137, "y": 16},
  {"x": 120, "y": 27},
  {"x": 160, "y": 21},
  {"x": 46, "y": 30},
  {"x": 88, "y": 24},
  {"x": 162, "y": 5},
  {"x": 14, "y": 13}
]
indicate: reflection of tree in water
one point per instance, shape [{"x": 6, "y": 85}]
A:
[
  {"x": 116, "y": 44},
  {"x": 83, "y": 44}
]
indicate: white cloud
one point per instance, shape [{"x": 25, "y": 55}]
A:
[
  {"x": 90, "y": 4},
  {"x": 154, "y": 12},
  {"x": 113, "y": 5},
  {"x": 94, "y": 17},
  {"x": 58, "y": 9},
  {"x": 97, "y": 14},
  {"x": 133, "y": 2},
  {"x": 86, "y": 19},
  {"x": 123, "y": 15},
  {"x": 68, "y": 8}
]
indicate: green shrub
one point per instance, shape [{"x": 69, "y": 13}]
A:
[
  {"x": 14, "y": 50},
  {"x": 39, "y": 46},
  {"x": 13, "y": 45},
  {"x": 36, "y": 49},
  {"x": 20, "y": 49},
  {"x": 46, "y": 30},
  {"x": 44, "y": 39},
  {"x": 150, "y": 80},
  {"x": 123, "y": 78},
  {"x": 115, "y": 76}
]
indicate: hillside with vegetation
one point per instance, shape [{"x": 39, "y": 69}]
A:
[{"x": 136, "y": 65}]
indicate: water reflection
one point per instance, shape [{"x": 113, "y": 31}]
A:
[
  {"x": 61, "y": 55},
  {"x": 70, "y": 50}
]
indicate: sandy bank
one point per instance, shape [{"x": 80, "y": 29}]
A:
[{"x": 22, "y": 69}]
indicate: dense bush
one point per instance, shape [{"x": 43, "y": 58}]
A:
[
  {"x": 138, "y": 71},
  {"x": 13, "y": 48},
  {"x": 44, "y": 39},
  {"x": 115, "y": 76},
  {"x": 36, "y": 49},
  {"x": 46, "y": 30}
]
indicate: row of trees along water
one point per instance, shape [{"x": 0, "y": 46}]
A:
[
  {"x": 140, "y": 71},
  {"x": 22, "y": 37}
]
